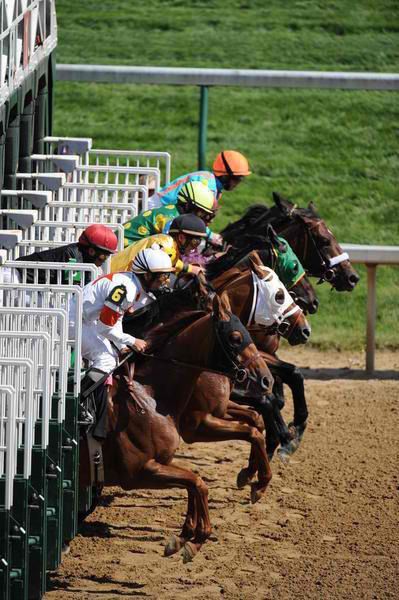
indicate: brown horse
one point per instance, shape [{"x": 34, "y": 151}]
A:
[
  {"x": 144, "y": 433},
  {"x": 210, "y": 415}
]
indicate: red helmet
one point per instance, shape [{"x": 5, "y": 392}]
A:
[
  {"x": 99, "y": 236},
  {"x": 231, "y": 163}
]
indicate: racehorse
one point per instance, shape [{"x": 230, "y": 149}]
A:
[
  {"x": 144, "y": 413},
  {"x": 310, "y": 238},
  {"x": 321, "y": 256}
]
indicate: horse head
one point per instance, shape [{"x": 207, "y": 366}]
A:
[
  {"x": 236, "y": 348},
  {"x": 314, "y": 243},
  {"x": 275, "y": 308}
]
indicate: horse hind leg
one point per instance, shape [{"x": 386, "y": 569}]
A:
[{"x": 197, "y": 527}]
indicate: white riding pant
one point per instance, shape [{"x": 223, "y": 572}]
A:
[{"x": 96, "y": 349}]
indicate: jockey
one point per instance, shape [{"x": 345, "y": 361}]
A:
[
  {"x": 105, "y": 301},
  {"x": 229, "y": 168},
  {"x": 94, "y": 245},
  {"x": 185, "y": 234},
  {"x": 194, "y": 198}
]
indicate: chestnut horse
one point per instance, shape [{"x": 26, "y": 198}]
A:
[
  {"x": 145, "y": 413},
  {"x": 210, "y": 415}
]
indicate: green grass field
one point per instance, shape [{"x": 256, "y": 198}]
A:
[{"x": 337, "y": 148}]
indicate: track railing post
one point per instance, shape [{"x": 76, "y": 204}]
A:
[{"x": 371, "y": 317}]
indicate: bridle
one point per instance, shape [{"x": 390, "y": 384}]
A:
[
  {"x": 325, "y": 270},
  {"x": 239, "y": 371}
]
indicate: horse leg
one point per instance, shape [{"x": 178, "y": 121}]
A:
[
  {"x": 197, "y": 525},
  {"x": 292, "y": 376},
  {"x": 251, "y": 417},
  {"x": 246, "y": 414},
  {"x": 213, "y": 429}
]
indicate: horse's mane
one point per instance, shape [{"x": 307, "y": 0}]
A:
[
  {"x": 141, "y": 321},
  {"x": 234, "y": 255},
  {"x": 159, "y": 335}
]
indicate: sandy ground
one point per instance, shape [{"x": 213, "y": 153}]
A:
[{"x": 326, "y": 528}]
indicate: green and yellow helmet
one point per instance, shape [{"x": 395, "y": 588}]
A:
[{"x": 196, "y": 194}]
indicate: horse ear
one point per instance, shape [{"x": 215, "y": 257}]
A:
[
  {"x": 221, "y": 307},
  {"x": 256, "y": 266},
  {"x": 255, "y": 259},
  {"x": 282, "y": 203},
  {"x": 312, "y": 207}
]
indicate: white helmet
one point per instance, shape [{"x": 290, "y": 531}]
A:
[{"x": 152, "y": 260}]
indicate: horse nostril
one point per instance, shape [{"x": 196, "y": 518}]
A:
[
  {"x": 264, "y": 382},
  {"x": 306, "y": 333},
  {"x": 329, "y": 275},
  {"x": 354, "y": 279}
]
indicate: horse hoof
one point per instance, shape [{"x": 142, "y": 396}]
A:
[
  {"x": 298, "y": 431},
  {"x": 243, "y": 478},
  {"x": 188, "y": 552},
  {"x": 284, "y": 455},
  {"x": 174, "y": 545},
  {"x": 256, "y": 493}
]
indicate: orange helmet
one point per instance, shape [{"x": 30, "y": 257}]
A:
[{"x": 231, "y": 163}]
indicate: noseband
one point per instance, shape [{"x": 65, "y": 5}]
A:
[{"x": 327, "y": 271}]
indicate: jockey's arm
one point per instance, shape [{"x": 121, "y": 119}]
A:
[
  {"x": 109, "y": 322},
  {"x": 114, "y": 332}
]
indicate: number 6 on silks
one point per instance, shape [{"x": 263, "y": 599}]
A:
[{"x": 117, "y": 295}]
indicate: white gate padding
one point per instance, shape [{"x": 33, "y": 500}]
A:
[
  {"x": 124, "y": 158},
  {"x": 54, "y": 322},
  {"x": 37, "y": 346},
  {"x": 108, "y": 175},
  {"x": 72, "y": 272},
  {"x": 66, "y": 232},
  {"x": 18, "y": 373},
  {"x": 55, "y": 297},
  {"x": 8, "y": 442},
  {"x": 90, "y": 212}
]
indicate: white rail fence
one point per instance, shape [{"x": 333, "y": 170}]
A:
[
  {"x": 237, "y": 77},
  {"x": 372, "y": 256}
]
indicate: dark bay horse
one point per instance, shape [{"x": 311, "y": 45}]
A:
[
  {"x": 307, "y": 233},
  {"x": 145, "y": 413},
  {"x": 321, "y": 256}
]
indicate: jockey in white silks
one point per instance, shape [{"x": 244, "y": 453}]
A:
[{"x": 105, "y": 301}]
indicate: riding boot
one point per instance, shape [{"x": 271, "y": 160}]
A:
[{"x": 94, "y": 407}]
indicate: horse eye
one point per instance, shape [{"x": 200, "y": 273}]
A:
[
  {"x": 295, "y": 267},
  {"x": 324, "y": 242},
  {"x": 235, "y": 338},
  {"x": 279, "y": 297}
]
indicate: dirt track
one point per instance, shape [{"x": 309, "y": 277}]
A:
[{"x": 327, "y": 527}]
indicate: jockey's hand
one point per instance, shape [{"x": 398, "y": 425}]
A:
[
  {"x": 216, "y": 240},
  {"x": 124, "y": 351},
  {"x": 195, "y": 270},
  {"x": 140, "y": 345}
]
